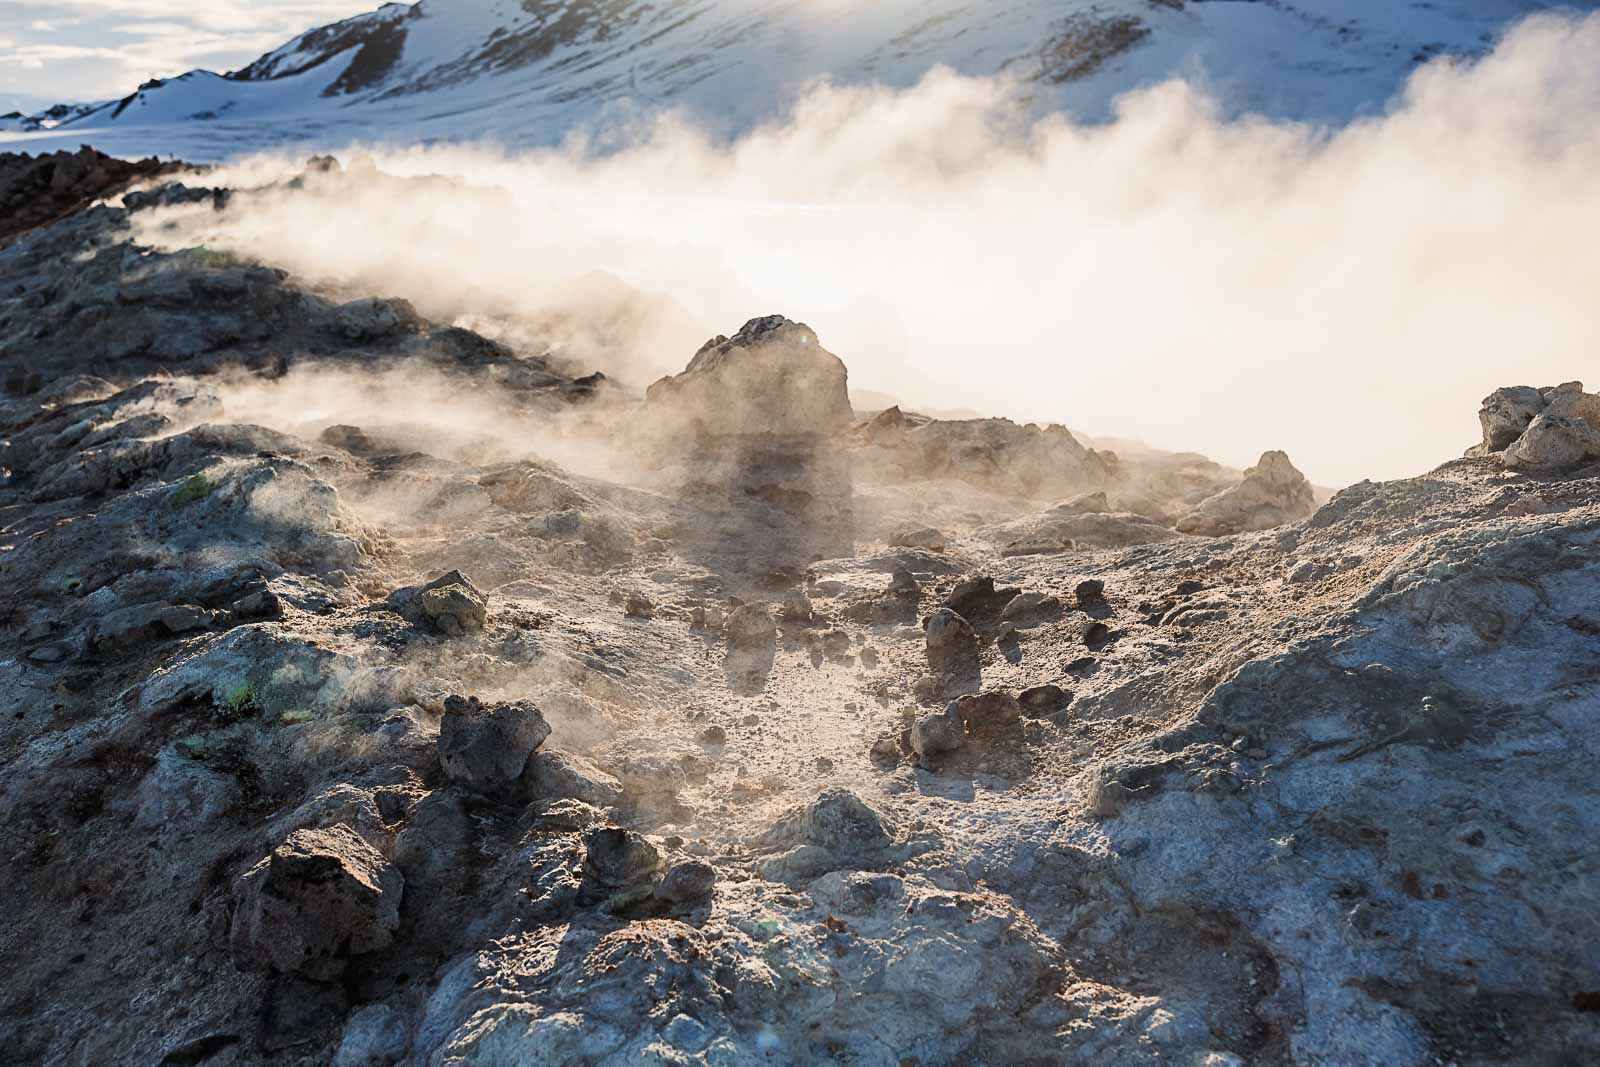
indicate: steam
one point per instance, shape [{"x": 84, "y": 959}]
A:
[{"x": 1224, "y": 286}]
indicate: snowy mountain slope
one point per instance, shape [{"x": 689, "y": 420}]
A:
[{"x": 526, "y": 73}]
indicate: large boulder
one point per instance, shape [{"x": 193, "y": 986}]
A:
[
  {"x": 772, "y": 377},
  {"x": 1272, "y": 493},
  {"x": 320, "y": 898},
  {"x": 1542, "y": 431},
  {"x": 1554, "y": 443},
  {"x": 1506, "y": 413},
  {"x": 486, "y": 747}
]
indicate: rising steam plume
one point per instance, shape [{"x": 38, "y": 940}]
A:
[{"x": 1197, "y": 282}]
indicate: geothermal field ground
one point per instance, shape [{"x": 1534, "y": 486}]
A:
[{"x": 495, "y": 575}]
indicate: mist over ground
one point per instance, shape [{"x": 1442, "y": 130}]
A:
[{"x": 1224, "y": 286}]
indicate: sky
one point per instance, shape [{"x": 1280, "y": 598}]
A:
[{"x": 100, "y": 49}]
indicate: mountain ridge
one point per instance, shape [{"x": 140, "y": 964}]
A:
[{"x": 529, "y": 73}]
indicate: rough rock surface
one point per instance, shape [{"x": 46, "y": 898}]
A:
[
  {"x": 1273, "y": 493},
  {"x": 1315, "y": 796},
  {"x": 320, "y": 898},
  {"x": 772, "y": 377},
  {"x": 486, "y": 748}
]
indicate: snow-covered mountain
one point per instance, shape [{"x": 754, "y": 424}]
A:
[{"x": 527, "y": 72}]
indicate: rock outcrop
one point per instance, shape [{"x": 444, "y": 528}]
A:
[
  {"x": 1272, "y": 493},
  {"x": 320, "y": 898},
  {"x": 1544, "y": 431},
  {"x": 772, "y": 377}
]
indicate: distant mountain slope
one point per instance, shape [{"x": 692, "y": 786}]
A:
[{"x": 528, "y": 72}]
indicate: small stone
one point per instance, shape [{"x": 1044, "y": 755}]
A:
[
  {"x": 796, "y": 608},
  {"x": 1042, "y": 700},
  {"x": 750, "y": 627},
  {"x": 836, "y": 644},
  {"x": 885, "y": 750},
  {"x": 952, "y": 643},
  {"x": 640, "y": 607},
  {"x": 936, "y": 733},
  {"x": 904, "y": 583},
  {"x": 989, "y": 712},
  {"x": 714, "y": 735},
  {"x": 1090, "y": 592},
  {"x": 978, "y": 597}
]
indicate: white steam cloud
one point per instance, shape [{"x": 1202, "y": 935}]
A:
[{"x": 1224, "y": 286}]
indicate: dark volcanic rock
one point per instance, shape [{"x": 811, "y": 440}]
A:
[{"x": 320, "y": 898}]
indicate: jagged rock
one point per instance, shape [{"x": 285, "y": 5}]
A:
[
  {"x": 952, "y": 643},
  {"x": 1090, "y": 592},
  {"x": 320, "y": 898},
  {"x": 772, "y": 377},
  {"x": 651, "y": 779},
  {"x": 796, "y": 608},
  {"x": 375, "y": 318},
  {"x": 993, "y": 453},
  {"x": 640, "y": 607},
  {"x": 453, "y": 605},
  {"x": 486, "y": 748},
  {"x": 553, "y": 775},
  {"x": 175, "y": 194},
  {"x": 1273, "y": 493}
]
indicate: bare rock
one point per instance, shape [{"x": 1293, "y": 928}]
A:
[
  {"x": 952, "y": 643},
  {"x": 1506, "y": 413},
  {"x": 988, "y": 713},
  {"x": 772, "y": 377},
  {"x": 925, "y": 537},
  {"x": 937, "y": 733},
  {"x": 453, "y": 605},
  {"x": 977, "y": 597},
  {"x": 486, "y": 748},
  {"x": 689, "y": 882},
  {"x": 554, "y": 775},
  {"x": 320, "y": 898},
  {"x": 1273, "y": 493},
  {"x": 750, "y": 627},
  {"x": 616, "y": 859},
  {"x": 1554, "y": 443},
  {"x": 375, "y": 1036}
]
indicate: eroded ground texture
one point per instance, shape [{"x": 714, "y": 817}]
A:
[{"x": 372, "y": 692}]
